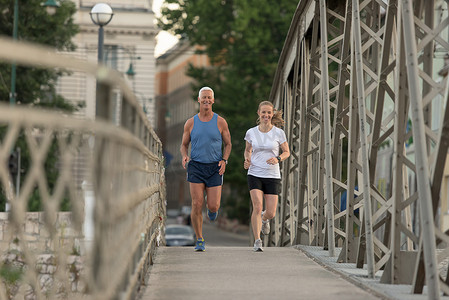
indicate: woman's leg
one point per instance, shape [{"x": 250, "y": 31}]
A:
[
  {"x": 257, "y": 201},
  {"x": 271, "y": 202}
]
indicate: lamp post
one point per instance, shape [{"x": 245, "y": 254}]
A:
[
  {"x": 12, "y": 94},
  {"x": 50, "y": 6},
  {"x": 101, "y": 14}
]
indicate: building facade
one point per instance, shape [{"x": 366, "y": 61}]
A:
[
  {"x": 176, "y": 102},
  {"x": 129, "y": 42}
]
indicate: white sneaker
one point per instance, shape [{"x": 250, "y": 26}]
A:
[
  {"x": 258, "y": 246},
  {"x": 265, "y": 226}
]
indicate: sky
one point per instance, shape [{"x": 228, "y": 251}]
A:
[{"x": 164, "y": 39}]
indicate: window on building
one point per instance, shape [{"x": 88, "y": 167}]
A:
[{"x": 111, "y": 56}]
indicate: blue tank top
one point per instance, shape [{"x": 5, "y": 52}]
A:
[{"x": 206, "y": 140}]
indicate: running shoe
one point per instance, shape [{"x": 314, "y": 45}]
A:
[
  {"x": 212, "y": 215},
  {"x": 258, "y": 246},
  {"x": 200, "y": 245},
  {"x": 265, "y": 225}
]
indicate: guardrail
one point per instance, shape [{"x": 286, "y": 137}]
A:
[
  {"x": 368, "y": 151},
  {"x": 111, "y": 178}
]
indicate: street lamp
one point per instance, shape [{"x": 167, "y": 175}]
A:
[
  {"x": 144, "y": 99},
  {"x": 51, "y": 6},
  {"x": 101, "y": 14},
  {"x": 130, "y": 71}
]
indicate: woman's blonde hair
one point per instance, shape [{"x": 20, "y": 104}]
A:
[{"x": 276, "y": 120}]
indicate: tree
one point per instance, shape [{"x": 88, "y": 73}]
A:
[
  {"x": 36, "y": 86},
  {"x": 243, "y": 40}
]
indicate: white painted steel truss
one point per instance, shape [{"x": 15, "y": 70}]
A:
[{"x": 366, "y": 90}]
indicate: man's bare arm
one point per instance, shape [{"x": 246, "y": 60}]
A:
[
  {"x": 186, "y": 141},
  {"x": 226, "y": 137}
]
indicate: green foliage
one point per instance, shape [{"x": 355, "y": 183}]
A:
[
  {"x": 56, "y": 103},
  {"x": 51, "y": 166},
  {"x": 10, "y": 273},
  {"x": 35, "y": 25},
  {"x": 243, "y": 39},
  {"x": 36, "y": 86}
]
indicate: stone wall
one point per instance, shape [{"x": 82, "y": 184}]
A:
[
  {"x": 35, "y": 231},
  {"x": 13, "y": 267},
  {"x": 47, "y": 263}
]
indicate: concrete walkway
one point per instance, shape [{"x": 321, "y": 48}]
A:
[{"x": 240, "y": 273}]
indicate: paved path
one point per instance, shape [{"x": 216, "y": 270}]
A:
[
  {"x": 239, "y": 273},
  {"x": 217, "y": 237}
]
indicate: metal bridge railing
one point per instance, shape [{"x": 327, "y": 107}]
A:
[
  {"x": 366, "y": 90},
  {"x": 110, "y": 177}
]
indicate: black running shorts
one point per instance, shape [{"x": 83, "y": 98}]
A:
[{"x": 269, "y": 186}]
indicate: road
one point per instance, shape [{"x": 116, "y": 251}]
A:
[{"x": 217, "y": 237}]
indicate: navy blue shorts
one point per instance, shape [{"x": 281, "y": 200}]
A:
[
  {"x": 269, "y": 186},
  {"x": 204, "y": 173}
]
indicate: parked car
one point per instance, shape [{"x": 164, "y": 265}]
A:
[
  {"x": 185, "y": 213},
  {"x": 179, "y": 235},
  {"x": 172, "y": 213}
]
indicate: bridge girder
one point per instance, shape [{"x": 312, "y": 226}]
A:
[{"x": 371, "y": 84}]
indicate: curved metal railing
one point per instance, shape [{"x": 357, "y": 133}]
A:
[{"x": 110, "y": 177}]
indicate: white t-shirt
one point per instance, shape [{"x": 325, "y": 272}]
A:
[{"x": 265, "y": 146}]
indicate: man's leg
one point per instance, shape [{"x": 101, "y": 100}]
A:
[
  {"x": 196, "y": 216},
  {"x": 213, "y": 198}
]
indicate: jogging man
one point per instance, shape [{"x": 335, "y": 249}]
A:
[{"x": 206, "y": 132}]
